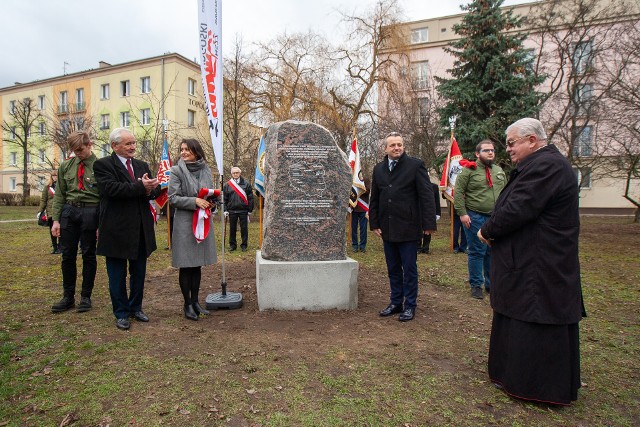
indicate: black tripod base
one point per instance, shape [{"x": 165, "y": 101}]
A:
[{"x": 230, "y": 301}]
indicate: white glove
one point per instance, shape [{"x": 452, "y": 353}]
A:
[
  {"x": 38, "y": 215},
  {"x": 437, "y": 217},
  {"x": 226, "y": 214}
]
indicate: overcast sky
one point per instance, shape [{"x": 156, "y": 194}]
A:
[{"x": 39, "y": 36}]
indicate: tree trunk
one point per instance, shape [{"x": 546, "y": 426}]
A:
[
  {"x": 636, "y": 219},
  {"x": 26, "y": 190}
]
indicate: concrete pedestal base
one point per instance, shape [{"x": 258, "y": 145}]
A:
[{"x": 306, "y": 285}]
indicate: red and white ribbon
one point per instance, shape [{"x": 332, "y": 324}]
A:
[
  {"x": 239, "y": 191},
  {"x": 201, "y": 216}
]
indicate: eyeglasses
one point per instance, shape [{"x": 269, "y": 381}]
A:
[
  {"x": 513, "y": 142},
  {"x": 488, "y": 150}
]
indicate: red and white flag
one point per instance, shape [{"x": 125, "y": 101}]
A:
[
  {"x": 357, "y": 181},
  {"x": 210, "y": 30},
  {"x": 201, "y": 223},
  {"x": 452, "y": 168}
]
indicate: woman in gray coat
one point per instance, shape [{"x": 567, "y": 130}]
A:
[{"x": 188, "y": 177}]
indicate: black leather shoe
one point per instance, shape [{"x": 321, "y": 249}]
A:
[
  {"x": 231, "y": 249},
  {"x": 391, "y": 309},
  {"x": 85, "y": 305},
  {"x": 140, "y": 316},
  {"x": 407, "y": 315},
  {"x": 189, "y": 312},
  {"x": 477, "y": 293},
  {"x": 199, "y": 310},
  {"x": 243, "y": 248},
  {"x": 64, "y": 304},
  {"x": 122, "y": 324}
]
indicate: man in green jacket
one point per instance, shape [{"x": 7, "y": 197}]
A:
[
  {"x": 476, "y": 191},
  {"x": 75, "y": 219}
]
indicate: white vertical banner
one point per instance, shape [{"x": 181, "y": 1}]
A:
[{"x": 210, "y": 29}]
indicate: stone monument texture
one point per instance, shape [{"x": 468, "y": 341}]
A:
[{"x": 307, "y": 187}]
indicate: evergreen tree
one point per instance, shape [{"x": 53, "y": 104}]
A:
[{"x": 492, "y": 82}]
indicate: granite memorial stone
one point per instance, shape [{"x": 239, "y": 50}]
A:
[{"x": 308, "y": 181}]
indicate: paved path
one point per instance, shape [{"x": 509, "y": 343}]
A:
[{"x": 17, "y": 220}]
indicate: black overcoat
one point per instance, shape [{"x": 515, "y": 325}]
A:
[
  {"x": 124, "y": 209},
  {"x": 401, "y": 203},
  {"x": 534, "y": 227}
]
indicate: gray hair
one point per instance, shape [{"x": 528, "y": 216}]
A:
[
  {"x": 528, "y": 126},
  {"x": 116, "y": 135}
]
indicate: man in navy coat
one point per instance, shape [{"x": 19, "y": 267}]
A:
[
  {"x": 401, "y": 211},
  {"x": 127, "y": 230}
]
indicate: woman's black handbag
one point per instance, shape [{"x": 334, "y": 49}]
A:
[{"x": 42, "y": 219}]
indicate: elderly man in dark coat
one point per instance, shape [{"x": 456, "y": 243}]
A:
[
  {"x": 126, "y": 230},
  {"x": 401, "y": 210},
  {"x": 536, "y": 293}
]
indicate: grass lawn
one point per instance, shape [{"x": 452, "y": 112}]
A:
[{"x": 249, "y": 367}]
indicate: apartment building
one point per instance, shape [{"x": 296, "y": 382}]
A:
[
  {"x": 147, "y": 96},
  {"x": 587, "y": 139}
]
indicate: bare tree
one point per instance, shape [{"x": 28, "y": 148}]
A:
[
  {"x": 241, "y": 137},
  {"x": 23, "y": 115},
  {"x": 575, "y": 41}
]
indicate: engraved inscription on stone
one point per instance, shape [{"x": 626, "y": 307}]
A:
[{"x": 307, "y": 184}]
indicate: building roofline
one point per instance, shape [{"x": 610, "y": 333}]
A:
[{"x": 102, "y": 67}]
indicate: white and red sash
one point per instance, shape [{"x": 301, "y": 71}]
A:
[
  {"x": 52, "y": 191},
  {"x": 200, "y": 226},
  {"x": 239, "y": 191}
]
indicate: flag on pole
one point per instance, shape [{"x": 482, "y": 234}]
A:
[
  {"x": 210, "y": 29},
  {"x": 164, "y": 172},
  {"x": 258, "y": 181},
  {"x": 452, "y": 168},
  {"x": 357, "y": 181}
]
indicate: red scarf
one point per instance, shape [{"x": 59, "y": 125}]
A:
[{"x": 81, "y": 175}]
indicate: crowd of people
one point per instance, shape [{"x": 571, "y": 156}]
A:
[{"x": 521, "y": 236}]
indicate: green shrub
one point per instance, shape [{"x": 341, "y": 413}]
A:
[
  {"x": 10, "y": 199},
  {"x": 33, "y": 201}
]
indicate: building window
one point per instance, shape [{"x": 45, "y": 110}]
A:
[
  {"x": 423, "y": 111},
  {"x": 145, "y": 84},
  {"x": 12, "y": 184},
  {"x": 191, "y": 118},
  {"x": 582, "y": 141},
  {"x": 80, "y": 99},
  {"x": 41, "y": 156},
  {"x": 420, "y": 74},
  {"x": 582, "y": 98},
  {"x": 41, "y": 182},
  {"x": 124, "y": 119},
  {"x": 41, "y": 128},
  {"x": 12, "y": 107},
  {"x": 13, "y": 158},
  {"x": 13, "y": 132},
  {"x": 191, "y": 87},
  {"x": 124, "y": 88},
  {"x": 104, "y": 91},
  {"x": 105, "y": 121},
  {"x": 582, "y": 57},
  {"x": 145, "y": 116},
  {"x": 583, "y": 175},
  {"x": 104, "y": 151},
  {"x": 64, "y": 102},
  {"x": 41, "y": 102},
  {"x": 420, "y": 35}
]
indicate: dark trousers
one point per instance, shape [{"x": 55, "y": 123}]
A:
[
  {"x": 402, "y": 268},
  {"x": 458, "y": 235},
  {"x": 426, "y": 243},
  {"x": 78, "y": 225},
  {"x": 54, "y": 240},
  {"x": 359, "y": 219},
  {"x": 124, "y": 305},
  {"x": 234, "y": 217}
]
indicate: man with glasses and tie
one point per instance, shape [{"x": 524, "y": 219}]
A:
[
  {"x": 536, "y": 296},
  {"x": 127, "y": 229},
  {"x": 75, "y": 220},
  {"x": 401, "y": 211},
  {"x": 476, "y": 191}
]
